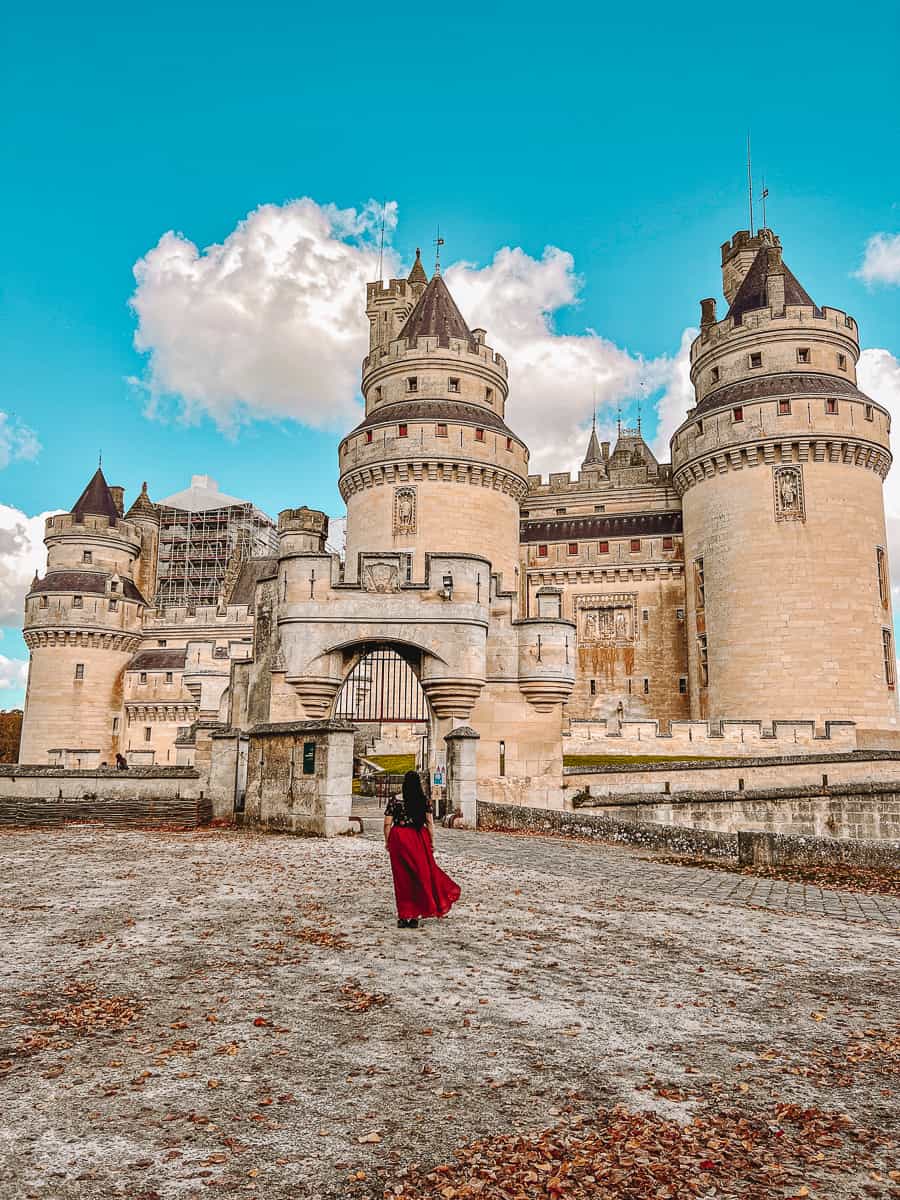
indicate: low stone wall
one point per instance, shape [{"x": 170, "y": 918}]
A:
[
  {"x": 52, "y": 796},
  {"x": 717, "y": 738},
  {"x": 678, "y": 840},
  {"x": 862, "y": 811},
  {"x": 779, "y": 849}
]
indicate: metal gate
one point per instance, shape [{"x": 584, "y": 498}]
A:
[{"x": 382, "y": 687}]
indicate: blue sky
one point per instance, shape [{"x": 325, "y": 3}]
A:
[{"x": 615, "y": 135}]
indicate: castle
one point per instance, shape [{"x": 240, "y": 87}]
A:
[{"x": 745, "y": 580}]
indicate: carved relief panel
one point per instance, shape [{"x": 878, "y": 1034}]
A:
[
  {"x": 404, "y": 510},
  {"x": 607, "y": 634},
  {"x": 381, "y": 577},
  {"x": 789, "y": 500}
]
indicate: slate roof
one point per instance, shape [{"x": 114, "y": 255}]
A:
[
  {"x": 594, "y": 455},
  {"x": 417, "y": 274},
  {"x": 142, "y": 506},
  {"x": 450, "y": 411},
  {"x": 96, "y": 499},
  {"x": 158, "y": 660},
  {"x": 752, "y": 292},
  {"x": 251, "y": 572},
  {"x": 573, "y": 529},
  {"x": 763, "y": 387},
  {"x": 436, "y": 315},
  {"x": 89, "y": 583}
]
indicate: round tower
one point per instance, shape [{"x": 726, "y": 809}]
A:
[
  {"x": 82, "y": 625},
  {"x": 433, "y": 467},
  {"x": 145, "y": 515},
  {"x": 780, "y": 467}
]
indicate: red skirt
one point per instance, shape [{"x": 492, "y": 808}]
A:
[{"x": 421, "y": 888}]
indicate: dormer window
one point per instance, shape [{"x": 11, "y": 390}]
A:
[
  {"x": 714, "y": 375},
  {"x": 87, "y": 556},
  {"x": 479, "y": 435},
  {"x": 756, "y": 359},
  {"x": 803, "y": 354},
  {"x": 453, "y": 385},
  {"x": 113, "y": 587},
  {"x": 412, "y": 383}
]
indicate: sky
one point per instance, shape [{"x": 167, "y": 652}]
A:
[{"x": 194, "y": 197}]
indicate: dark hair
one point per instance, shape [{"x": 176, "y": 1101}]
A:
[{"x": 414, "y": 800}]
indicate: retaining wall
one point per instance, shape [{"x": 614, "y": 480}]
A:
[
  {"x": 39, "y": 796},
  {"x": 716, "y": 738}
]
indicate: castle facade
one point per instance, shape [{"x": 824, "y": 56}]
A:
[{"x": 747, "y": 579}]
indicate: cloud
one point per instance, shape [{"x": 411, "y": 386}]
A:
[
  {"x": 271, "y": 323},
  {"x": 22, "y": 552},
  {"x": 878, "y": 373},
  {"x": 13, "y": 673},
  {"x": 881, "y": 261},
  {"x": 17, "y": 441}
]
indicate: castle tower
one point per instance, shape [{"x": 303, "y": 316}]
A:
[
  {"x": 433, "y": 467},
  {"x": 780, "y": 467},
  {"x": 82, "y": 625}
]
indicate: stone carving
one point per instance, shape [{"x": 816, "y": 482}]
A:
[
  {"x": 789, "y": 502},
  {"x": 607, "y": 620},
  {"x": 381, "y": 577},
  {"x": 405, "y": 510}
]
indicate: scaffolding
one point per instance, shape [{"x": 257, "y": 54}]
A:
[{"x": 200, "y": 552}]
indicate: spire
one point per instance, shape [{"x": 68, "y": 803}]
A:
[
  {"x": 96, "y": 499},
  {"x": 594, "y": 455},
  {"x": 436, "y": 315},
  {"x": 417, "y": 274},
  {"x": 143, "y": 506}
]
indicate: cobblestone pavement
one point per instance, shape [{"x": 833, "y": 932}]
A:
[
  {"x": 216, "y": 1012},
  {"x": 623, "y": 868}
]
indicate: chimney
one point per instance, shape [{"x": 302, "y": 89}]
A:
[
  {"x": 118, "y": 498},
  {"x": 604, "y": 450},
  {"x": 774, "y": 279},
  {"x": 708, "y": 312}
]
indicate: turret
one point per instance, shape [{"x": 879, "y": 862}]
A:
[
  {"x": 82, "y": 624},
  {"x": 780, "y": 466},
  {"x": 145, "y": 515}
]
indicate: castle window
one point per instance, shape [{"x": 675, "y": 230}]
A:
[
  {"x": 79, "y": 670},
  {"x": 161, "y": 641},
  {"x": 368, "y": 437},
  {"x": 45, "y": 602},
  {"x": 603, "y": 547},
  {"x": 646, "y": 686},
  {"x": 784, "y": 408},
  {"x": 560, "y": 512},
  {"x": 453, "y": 385},
  {"x": 881, "y": 568},
  {"x": 645, "y": 614},
  {"x": 377, "y": 395},
  {"x": 703, "y": 651},
  {"x": 573, "y": 547},
  {"x": 402, "y": 431},
  {"x": 668, "y": 543},
  {"x": 870, "y": 412},
  {"x": 542, "y": 551},
  {"x": 489, "y": 395},
  {"x": 169, "y": 677},
  {"x": 509, "y": 443},
  {"x": 700, "y": 582},
  {"x": 148, "y": 733},
  {"x": 737, "y": 414},
  {"x": 113, "y": 605},
  {"x": 699, "y": 426},
  {"x": 756, "y": 359},
  {"x": 803, "y": 354},
  {"x": 842, "y": 362},
  {"x": 599, "y": 508},
  {"x": 113, "y": 587},
  {"x": 593, "y": 687},
  {"x": 412, "y": 384},
  {"x": 77, "y": 602},
  {"x": 887, "y": 645},
  {"x": 831, "y": 405},
  {"x": 440, "y": 430},
  {"x": 682, "y": 685},
  {"x": 848, "y": 321},
  {"x": 635, "y": 545},
  {"x": 714, "y": 375},
  {"x": 115, "y": 727},
  {"x": 87, "y": 556},
  {"x": 143, "y": 677},
  {"x": 479, "y": 435},
  {"x": 679, "y": 614}
]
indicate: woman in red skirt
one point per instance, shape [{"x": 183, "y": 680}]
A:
[{"x": 420, "y": 886}]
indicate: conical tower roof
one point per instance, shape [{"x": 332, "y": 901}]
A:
[
  {"x": 417, "y": 274},
  {"x": 436, "y": 315},
  {"x": 143, "y": 506},
  {"x": 594, "y": 457},
  {"x": 752, "y": 293},
  {"x": 96, "y": 499}
]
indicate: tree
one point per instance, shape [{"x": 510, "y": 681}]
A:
[{"x": 10, "y": 734}]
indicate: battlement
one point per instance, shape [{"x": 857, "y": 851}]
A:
[
  {"x": 742, "y": 241},
  {"x": 401, "y": 350},
  {"x": 175, "y": 619},
  {"x": 794, "y": 318},
  {"x": 302, "y": 520},
  {"x": 592, "y": 479},
  {"x": 708, "y": 739},
  {"x": 397, "y": 289},
  {"x": 91, "y": 526}
]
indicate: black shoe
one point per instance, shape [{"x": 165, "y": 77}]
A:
[
  {"x": 413, "y": 924},
  {"x": 401, "y": 923}
]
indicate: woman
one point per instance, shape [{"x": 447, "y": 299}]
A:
[{"x": 420, "y": 886}]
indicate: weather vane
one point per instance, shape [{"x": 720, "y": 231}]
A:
[{"x": 438, "y": 242}]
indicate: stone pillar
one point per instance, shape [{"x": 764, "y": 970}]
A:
[
  {"x": 300, "y": 777},
  {"x": 462, "y": 778}
]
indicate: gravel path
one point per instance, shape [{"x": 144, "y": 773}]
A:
[{"x": 186, "y": 1014}]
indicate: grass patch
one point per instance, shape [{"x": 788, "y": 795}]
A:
[
  {"x": 632, "y": 760},
  {"x": 394, "y": 764}
]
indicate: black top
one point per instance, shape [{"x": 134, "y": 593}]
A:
[{"x": 396, "y": 810}]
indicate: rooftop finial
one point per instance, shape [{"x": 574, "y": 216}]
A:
[
  {"x": 765, "y": 193},
  {"x": 438, "y": 242}
]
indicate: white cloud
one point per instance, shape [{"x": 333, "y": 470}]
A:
[
  {"x": 13, "y": 673},
  {"x": 878, "y": 373},
  {"x": 881, "y": 261},
  {"x": 16, "y": 441},
  {"x": 22, "y": 552},
  {"x": 270, "y": 323}
]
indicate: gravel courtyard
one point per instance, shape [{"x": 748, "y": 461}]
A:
[{"x": 185, "y": 1014}]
